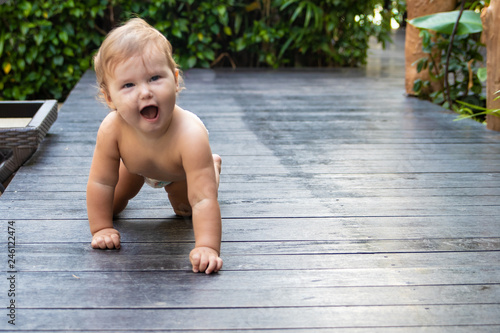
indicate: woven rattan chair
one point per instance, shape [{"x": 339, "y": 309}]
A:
[{"x": 24, "y": 141}]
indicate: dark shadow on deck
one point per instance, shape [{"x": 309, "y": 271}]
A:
[{"x": 346, "y": 206}]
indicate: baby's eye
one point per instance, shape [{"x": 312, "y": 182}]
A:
[
  {"x": 128, "y": 85},
  {"x": 156, "y": 77}
]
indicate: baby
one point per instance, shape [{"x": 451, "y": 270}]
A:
[{"x": 148, "y": 138}]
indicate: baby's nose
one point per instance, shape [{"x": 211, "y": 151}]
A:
[{"x": 146, "y": 92}]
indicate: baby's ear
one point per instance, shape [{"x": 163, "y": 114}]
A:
[
  {"x": 107, "y": 98},
  {"x": 176, "y": 75}
]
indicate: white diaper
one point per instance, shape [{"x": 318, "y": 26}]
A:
[{"x": 156, "y": 183}]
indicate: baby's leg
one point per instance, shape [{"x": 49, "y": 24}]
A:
[
  {"x": 177, "y": 194},
  {"x": 177, "y": 191},
  {"x": 128, "y": 186}
]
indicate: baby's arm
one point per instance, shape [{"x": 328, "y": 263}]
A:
[
  {"x": 100, "y": 189},
  {"x": 202, "y": 193}
]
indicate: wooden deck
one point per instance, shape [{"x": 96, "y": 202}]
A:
[{"x": 347, "y": 207}]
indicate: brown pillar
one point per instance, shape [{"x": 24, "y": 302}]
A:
[
  {"x": 413, "y": 43},
  {"x": 491, "y": 31}
]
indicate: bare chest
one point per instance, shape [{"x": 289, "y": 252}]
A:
[{"x": 157, "y": 163}]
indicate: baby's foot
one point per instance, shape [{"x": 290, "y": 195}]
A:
[{"x": 108, "y": 238}]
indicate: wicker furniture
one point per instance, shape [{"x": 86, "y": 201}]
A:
[{"x": 24, "y": 141}]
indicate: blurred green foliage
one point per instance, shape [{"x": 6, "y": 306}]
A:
[
  {"x": 45, "y": 46},
  {"x": 466, "y": 71}
]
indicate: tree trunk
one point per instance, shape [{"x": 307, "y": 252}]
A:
[
  {"x": 491, "y": 30},
  {"x": 413, "y": 43}
]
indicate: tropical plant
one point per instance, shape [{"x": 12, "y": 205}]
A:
[
  {"x": 459, "y": 62},
  {"x": 473, "y": 111}
]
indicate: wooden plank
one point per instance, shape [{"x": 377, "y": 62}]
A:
[
  {"x": 354, "y": 182},
  {"x": 298, "y": 206},
  {"x": 171, "y": 255},
  {"x": 360, "y": 232},
  {"x": 259, "y": 318},
  {"x": 356, "y": 230},
  {"x": 164, "y": 290},
  {"x": 271, "y": 209},
  {"x": 71, "y": 188}
]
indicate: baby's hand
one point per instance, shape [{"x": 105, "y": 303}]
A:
[
  {"x": 205, "y": 259},
  {"x": 108, "y": 238}
]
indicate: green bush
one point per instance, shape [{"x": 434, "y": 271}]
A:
[{"x": 45, "y": 46}]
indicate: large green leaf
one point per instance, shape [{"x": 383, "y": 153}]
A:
[{"x": 470, "y": 22}]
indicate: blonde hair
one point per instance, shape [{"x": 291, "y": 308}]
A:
[{"x": 126, "y": 41}]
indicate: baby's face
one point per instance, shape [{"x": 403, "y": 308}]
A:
[{"x": 143, "y": 90}]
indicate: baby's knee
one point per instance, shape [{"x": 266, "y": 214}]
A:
[{"x": 183, "y": 210}]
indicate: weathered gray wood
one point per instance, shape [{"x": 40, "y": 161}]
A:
[
  {"x": 168, "y": 255},
  {"x": 347, "y": 207},
  {"x": 362, "y": 232},
  {"x": 264, "y": 318}
]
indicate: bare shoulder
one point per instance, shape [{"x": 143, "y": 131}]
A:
[
  {"x": 191, "y": 125},
  {"x": 110, "y": 127},
  {"x": 194, "y": 146}
]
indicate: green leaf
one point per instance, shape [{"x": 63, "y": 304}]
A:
[
  {"x": 240, "y": 45},
  {"x": 287, "y": 3},
  {"x": 63, "y": 36},
  {"x": 69, "y": 52},
  {"x": 215, "y": 29},
  {"x": 221, "y": 9},
  {"x": 482, "y": 74},
  {"x": 285, "y": 46},
  {"x": 25, "y": 27},
  {"x": 237, "y": 23},
  {"x": 38, "y": 39},
  {"x": 417, "y": 85},
  {"x": 297, "y": 12},
  {"x": 470, "y": 22},
  {"x": 25, "y": 6},
  {"x": 176, "y": 32},
  {"x": 191, "y": 61},
  {"x": 58, "y": 60},
  {"x": 421, "y": 65},
  {"x": 2, "y": 41},
  {"x": 21, "y": 64},
  {"x": 21, "y": 49}
]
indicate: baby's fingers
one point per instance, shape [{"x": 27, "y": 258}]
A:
[
  {"x": 113, "y": 242},
  {"x": 219, "y": 265},
  {"x": 212, "y": 265},
  {"x": 205, "y": 261},
  {"x": 98, "y": 243},
  {"x": 195, "y": 262},
  {"x": 106, "y": 242}
]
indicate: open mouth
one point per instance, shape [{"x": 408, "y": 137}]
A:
[{"x": 150, "y": 112}]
